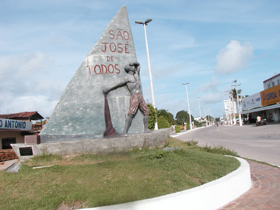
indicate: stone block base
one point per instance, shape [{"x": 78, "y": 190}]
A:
[{"x": 154, "y": 139}]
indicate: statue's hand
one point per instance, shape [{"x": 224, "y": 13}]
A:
[
  {"x": 106, "y": 91},
  {"x": 136, "y": 63}
]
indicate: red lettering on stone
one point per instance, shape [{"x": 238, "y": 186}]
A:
[
  {"x": 118, "y": 70},
  {"x": 114, "y": 47},
  {"x": 112, "y": 35},
  {"x": 119, "y": 34},
  {"x": 110, "y": 58},
  {"x": 120, "y": 48},
  {"x": 95, "y": 69},
  {"x": 102, "y": 67},
  {"x": 89, "y": 69},
  {"x": 126, "y": 35},
  {"x": 126, "y": 48},
  {"x": 105, "y": 43},
  {"x": 111, "y": 72}
]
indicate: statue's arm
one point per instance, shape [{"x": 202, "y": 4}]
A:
[{"x": 120, "y": 84}]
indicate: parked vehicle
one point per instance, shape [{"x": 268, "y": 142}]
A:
[
  {"x": 262, "y": 122},
  {"x": 237, "y": 122}
]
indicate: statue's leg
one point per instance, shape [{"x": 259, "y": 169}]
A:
[
  {"x": 128, "y": 122},
  {"x": 146, "y": 123}
]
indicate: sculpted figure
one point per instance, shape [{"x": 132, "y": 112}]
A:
[{"x": 133, "y": 84}]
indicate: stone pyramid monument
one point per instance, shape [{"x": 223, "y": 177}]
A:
[{"x": 80, "y": 113}]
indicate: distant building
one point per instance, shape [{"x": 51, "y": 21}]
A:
[
  {"x": 13, "y": 127},
  {"x": 230, "y": 110},
  {"x": 265, "y": 103},
  {"x": 271, "y": 82}
]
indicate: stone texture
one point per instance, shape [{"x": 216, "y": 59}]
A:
[
  {"x": 155, "y": 139},
  {"x": 80, "y": 111}
]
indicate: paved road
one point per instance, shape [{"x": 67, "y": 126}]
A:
[{"x": 259, "y": 143}]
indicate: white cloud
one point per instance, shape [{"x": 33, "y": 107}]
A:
[
  {"x": 206, "y": 87},
  {"x": 234, "y": 57},
  {"x": 42, "y": 104},
  {"x": 26, "y": 83}
]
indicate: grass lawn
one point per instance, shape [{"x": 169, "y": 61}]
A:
[{"x": 97, "y": 180}]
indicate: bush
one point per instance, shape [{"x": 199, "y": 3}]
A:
[
  {"x": 218, "y": 150},
  {"x": 152, "y": 116},
  {"x": 163, "y": 123},
  {"x": 177, "y": 129},
  {"x": 192, "y": 143}
]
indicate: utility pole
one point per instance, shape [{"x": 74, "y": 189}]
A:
[{"x": 239, "y": 112}]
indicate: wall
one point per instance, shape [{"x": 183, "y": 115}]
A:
[
  {"x": 11, "y": 134},
  {"x": 275, "y": 79}
]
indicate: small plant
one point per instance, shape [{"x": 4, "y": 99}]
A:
[
  {"x": 192, "y": 143},
  {"x": 218, "y": 150},
  {"x": 157, "y": 155},
  {"x": 177, "y": 129}
]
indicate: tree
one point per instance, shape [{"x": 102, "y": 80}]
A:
[
  {"x": 162, "y": 122},
  {"x": 182, "y": 116},
  {"x": 152, "y": 116},
  {"x": 167, "y": 115}
]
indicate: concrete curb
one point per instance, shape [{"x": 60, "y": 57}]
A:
[
  {"x": 209, "y": 196},
  {"x": 179, "y": 134}
]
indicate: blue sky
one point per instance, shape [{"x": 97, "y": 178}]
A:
[{"x": 206, "y": 43}]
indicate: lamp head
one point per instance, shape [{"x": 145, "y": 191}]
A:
[
  {"x": 139, "y": 22},
  {"x": 147, "y": 21}
]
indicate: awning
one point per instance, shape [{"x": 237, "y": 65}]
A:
[{"x": 274, "y": 106}]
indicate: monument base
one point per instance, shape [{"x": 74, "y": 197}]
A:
[{"x": 154, "y": 139}]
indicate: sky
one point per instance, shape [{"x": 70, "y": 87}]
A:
[{"x": 207, "y": 44}]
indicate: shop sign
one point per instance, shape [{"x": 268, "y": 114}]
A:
[
  {"x": 251, "y": 102},
  {"x": 271, "y": 96},
  {"x": 15, "y": 124}
]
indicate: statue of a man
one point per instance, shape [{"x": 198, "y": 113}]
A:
[{"x": 133, "y": 84}]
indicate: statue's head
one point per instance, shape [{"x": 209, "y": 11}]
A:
[{"x": 129, "y": 67}]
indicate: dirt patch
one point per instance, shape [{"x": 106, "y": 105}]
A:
[
  {"x": 7, "y": 154},
  {"x": 72, "y": 206}
]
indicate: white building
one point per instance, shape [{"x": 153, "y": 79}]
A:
[
  {"x": 266, "y": 103},
  {"x": 271, "y": 82},
  {"x": 230, "y": 110}
]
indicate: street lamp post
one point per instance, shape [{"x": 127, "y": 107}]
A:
[
  {"x": 205, "y": 116},
  {"x": 239, "y": 113},
  {"x": 190, "y": 116},
  {"x": 149, "y": 65},
  {"x": 199, "y": 107}
]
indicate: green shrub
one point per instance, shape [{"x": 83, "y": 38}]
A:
[
  {"x": 192, "y": 143},
  {"x": 218, "y": 150},
  {"x": 163, "y": 123},
  {"x": 158, "y": 154},
  {"x": 152, "y": 116},
  {"x": 178, "y": 129}
]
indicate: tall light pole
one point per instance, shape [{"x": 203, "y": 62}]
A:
[
  {"x": 190, "y": 116},
  {"x": 205, "y": 116},
  {"x": 239, "y": 113},
  {"x": 199, "y": 107},
  {"x": 149, "y": 65}
]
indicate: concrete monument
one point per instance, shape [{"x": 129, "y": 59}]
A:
[
  {"x": 101, "y": 104},
  {"x": 80, "y": 113}
]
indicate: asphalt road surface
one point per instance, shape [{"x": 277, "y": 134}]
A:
[{"x": 255, "y": 142}]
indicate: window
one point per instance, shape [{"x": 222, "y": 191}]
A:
[
  {"x": 278, "y": 82},
  {"x": 268, "y": 86},
  {"x": 7, "y": 141},
  {"x": 273, "y": 84}
]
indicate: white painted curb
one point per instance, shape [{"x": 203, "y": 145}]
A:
[{"x": 209, "y": 196}]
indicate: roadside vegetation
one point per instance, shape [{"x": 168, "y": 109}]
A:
[{"x": 98, "y": 180}]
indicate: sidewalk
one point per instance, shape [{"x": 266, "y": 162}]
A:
[
  {"x": 265, "y": 190},
  {"x": 7, "y": 164}
]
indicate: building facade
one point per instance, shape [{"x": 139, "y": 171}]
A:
[
  {"x": 265, "y": 103},
  {"x": 13, "y": 127}
]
